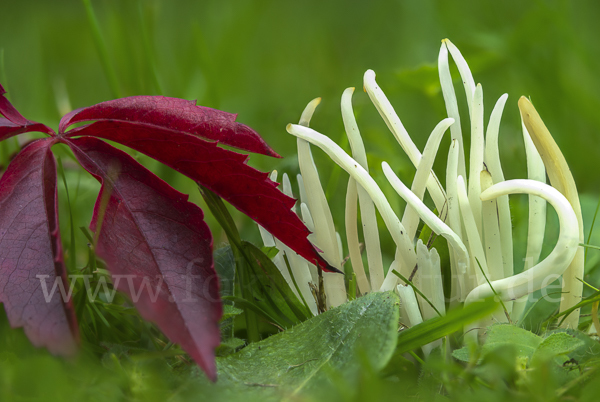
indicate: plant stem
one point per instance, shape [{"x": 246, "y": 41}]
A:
[
  {"x": 72, "y": 262},
  {"x": 220, "y": 212}
]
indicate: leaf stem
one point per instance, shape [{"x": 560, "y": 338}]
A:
[{"x": 72, "y": 262}]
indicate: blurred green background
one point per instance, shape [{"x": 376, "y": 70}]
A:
[{"x": 266, "y": 59}]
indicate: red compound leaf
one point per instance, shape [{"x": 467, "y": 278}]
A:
[
  {"x": 155, "y": 243},
  {"x": 157, "y": 247}
]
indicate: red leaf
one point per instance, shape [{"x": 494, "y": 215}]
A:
[
  {"x": 9, "y": 111},
  {"x": 223, "y": 172},
  {"x": 15, "y": 123},
  {"x": 9, "y": 129},
  {"x": 169, "y": 115},
  {"x": 151, "y": 234},
  {"x": 31, "y": 252}
]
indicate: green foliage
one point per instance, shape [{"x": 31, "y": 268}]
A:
[
  {"x": 262, "y": 288},
  {"x": 303, "y": 359},
  {"x": 557, "y": 345},
  {"x": 525, "y": 342},
  {"x": 527, "y": 345}
]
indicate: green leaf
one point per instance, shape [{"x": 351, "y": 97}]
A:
[
  {"x": 300, "y": 359},
  {"x": 229, "y": 311},
  {"x": 261, "y": 283},
  {"x": 222, "y": 215},
  {"x": 500, "y": 335},
  {"x": 589, "y": 350},
  {"x": 254, "y": 308},
  {"x": 438, "y": 327},
  {"x": 275, "y": 289},
  {"x": 557, "y": 344},
  {"x": 224, "y": 262},
  {"x": 229, "y": 346}
]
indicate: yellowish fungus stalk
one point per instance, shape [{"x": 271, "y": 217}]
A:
[
  {"x": 387, "y": 112},
  {"x": 436, "y": 224},
  {"x": 410, "y": 219},
  {"x": 405, "y": 247},
  {"x": 464, "y": 71},
  {"x": 476, "y": 156},
  {"x": 451, "y": 107},
  {"x": 492, "y": 161},
  {"x": 561, "y": 179},
  {"x": 459, "y": 286},
  {"x": 552, "y": 266},
  {"x": 325, "y": 235},
  {"x": 409, "y": 310},
  {"x": 537, "y": 216},
  {"x": 478, "y": 261},
  {"x": 351, "y": 216},
  {"x": 367, "y": 209}
]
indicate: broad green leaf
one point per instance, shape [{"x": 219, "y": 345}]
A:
[
  {"x": 557, "y": 344},
  {"x": 499, "y": 335},
  {"x": 588, "y": 351},
  {"x": 299, "y": 359}
]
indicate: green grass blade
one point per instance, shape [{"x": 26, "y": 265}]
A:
[
  {"x": 111, "y": 76},
  {"x": 246, "y": 305},
  {"x": 494, "y": 290},
  {"x": 588, "y": 300},
  {"x": 278, "y": 282},
  {"x": 592, "y": 230},
  {"x": 438, "y": 327}
]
